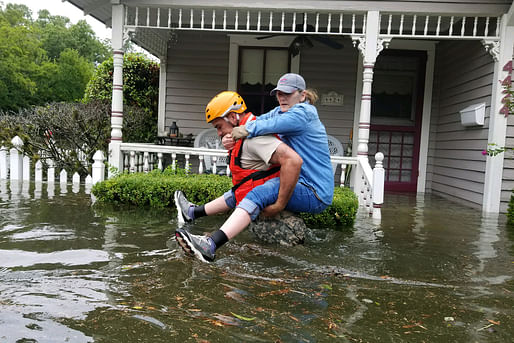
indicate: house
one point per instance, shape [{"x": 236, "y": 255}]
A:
[{"x": 419, "y": 81}]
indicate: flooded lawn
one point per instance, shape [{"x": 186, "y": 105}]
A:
[{"x": 432, "y": 271}]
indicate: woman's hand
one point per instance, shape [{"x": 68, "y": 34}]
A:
[
  {"x": 228, "y": 142},
  {"x": 239, "y": 132}
]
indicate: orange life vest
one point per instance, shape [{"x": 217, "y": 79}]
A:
[{"x": 244, "y": 180}]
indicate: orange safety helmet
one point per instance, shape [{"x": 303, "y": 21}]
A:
[{"x": 224, "y": 103}]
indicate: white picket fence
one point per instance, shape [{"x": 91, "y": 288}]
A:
[
  {"x": 15, "y": 166},
  {"x": 368, "y": 182}
]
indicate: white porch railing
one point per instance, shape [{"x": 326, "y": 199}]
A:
[
  {"x": 138, "y": 157},
  {"x": 368, "y": 183}
]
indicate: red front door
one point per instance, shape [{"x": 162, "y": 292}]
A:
[{"x": 396, "y": 110}]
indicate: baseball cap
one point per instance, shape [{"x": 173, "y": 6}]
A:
[{"x": 288, "y": 83}]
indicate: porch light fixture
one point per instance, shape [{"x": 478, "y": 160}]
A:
[{"x": 173, "y": 130}]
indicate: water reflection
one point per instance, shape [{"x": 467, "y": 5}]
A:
[
  {"x": 21, "y": 258},
  {"x": 38, "y": 190},
  {"x": 63, "y": 187},
  {"x": 15, "y": 188},
  {"x": 85, "y": 274},
  {"x": 419, "y": 219},
  {"x": 488, "y": 235},
  {"x": 4, "y": 194},
  {"x": 50, "y": 190},
  {"x": 25, "y": 190}
]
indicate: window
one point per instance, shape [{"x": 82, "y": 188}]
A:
[
  {"x": 259, "y": 70},
  {"x": 395, "y": 82}
]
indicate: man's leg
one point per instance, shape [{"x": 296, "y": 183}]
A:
[{"x": 187, "y": 211}]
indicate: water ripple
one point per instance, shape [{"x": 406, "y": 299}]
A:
[{"x": 21, "y": 258}]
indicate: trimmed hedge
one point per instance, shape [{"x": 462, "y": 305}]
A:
[
  {"x": 342, "y": 212},
  {"x": 156, "y": 189}
]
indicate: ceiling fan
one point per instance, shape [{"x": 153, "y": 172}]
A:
[{"x": 303, "y": 41}]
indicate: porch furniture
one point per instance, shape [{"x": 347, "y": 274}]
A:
[
  {"x": 176, "y": 141},
  {"x": 336, "y": 149},
  {"x": 208, "y": 138}
]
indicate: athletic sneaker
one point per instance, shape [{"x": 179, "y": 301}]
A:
[
  {"x": 183, "y": 206},
  {"x": 195, "y": 245}
]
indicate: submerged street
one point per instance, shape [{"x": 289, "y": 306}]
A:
[{"x": 431, "y": 271}]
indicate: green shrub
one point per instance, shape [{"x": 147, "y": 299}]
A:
[
  {"x": 510, "y": 210},
  {"x": 341, "y": 213},
  {"x": 156, "y": 189}
]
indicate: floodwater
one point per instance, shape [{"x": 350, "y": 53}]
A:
[{"x": 431, "y": 271}]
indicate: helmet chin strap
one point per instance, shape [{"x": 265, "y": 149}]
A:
[{"x": 228, "y": 120}]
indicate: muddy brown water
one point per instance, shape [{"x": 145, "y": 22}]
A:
[{"x": 431, "y": 271}]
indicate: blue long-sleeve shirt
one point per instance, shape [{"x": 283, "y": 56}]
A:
[{"x": 301, "y": 129}]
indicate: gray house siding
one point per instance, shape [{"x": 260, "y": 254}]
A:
[
  {"x": 326, "y": 70},
  {"x": 463, "y": 76},
  {"x": 197, "y": 69}
]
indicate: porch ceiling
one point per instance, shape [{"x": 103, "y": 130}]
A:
[{"x": 151, "y": 23}]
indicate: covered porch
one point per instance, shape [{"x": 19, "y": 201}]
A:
[{"x": 201, "y": 47}]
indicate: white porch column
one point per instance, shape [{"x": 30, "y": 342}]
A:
[
  {"x": 161, "y": 112},
  {"x": 115, "y": 155},
  {"x": 502, "y": 54},
  {"x": 368, "y": 46}
]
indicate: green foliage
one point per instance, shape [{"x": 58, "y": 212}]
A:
[
  {"x": 65, "y": 79},
  {"x": 341, "y": 213},
  {"x": 140, "y": 90},
  {"x": 60, "y": 131},
  {"x": 510, "y": 210},
  {"x": 58, "y": 34},
  {"x": 156, "y": 189},
  {"x": 21, "y": 56},
  {"x": 44, "y": 60},
  {"x": 79, "y": 128}
]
